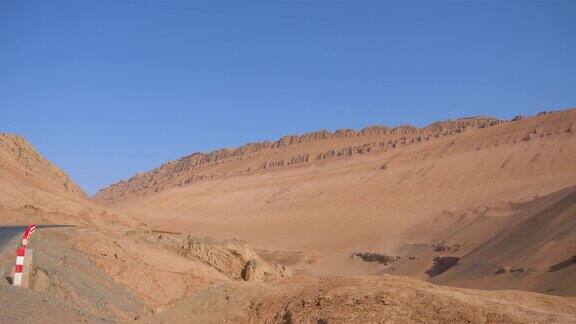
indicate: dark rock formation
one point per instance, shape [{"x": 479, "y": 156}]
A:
[
  {"x": 376, "y": 257},
  {"x": 441, "y": 264}
]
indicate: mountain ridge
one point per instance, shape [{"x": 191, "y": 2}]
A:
[{"x": 198, "y": 160}]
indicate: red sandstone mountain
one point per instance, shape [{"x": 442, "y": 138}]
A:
[
  {"x": 268, "y": 155},
  {"x": 475, "y": 202}
]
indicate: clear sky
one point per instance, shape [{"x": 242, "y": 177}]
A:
[{"x": 108, "y": 89}]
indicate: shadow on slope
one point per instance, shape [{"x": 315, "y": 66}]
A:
[
  {"x": 540, "y": 241},
  {"x": 564, "y": 264}
]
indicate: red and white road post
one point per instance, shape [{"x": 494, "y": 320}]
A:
[{"x": 21, "y": 255}]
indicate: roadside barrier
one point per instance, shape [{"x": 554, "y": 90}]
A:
[{"x": 21, "y": 254}]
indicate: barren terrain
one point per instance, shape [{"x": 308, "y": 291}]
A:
[
  {"x": 401, "y": 224},
  {"x": 496, "y": 194}
]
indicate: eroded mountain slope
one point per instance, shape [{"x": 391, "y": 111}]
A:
[
  {"x": 291, "y": 150},
  {"x": 34, "y": 190},
  {"x": 399, "y": 199},
  {"x": 22, "y": 168}
]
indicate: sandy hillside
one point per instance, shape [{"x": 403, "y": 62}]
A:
[
  {"x": 476, "y": 202},
  {"x": 27, "y": 177},
  {"x": 34, "y": 190},
  {"x": 107, "y": 266}
]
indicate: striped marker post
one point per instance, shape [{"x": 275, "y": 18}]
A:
[
  {"x": 27, "y": 233},
  {"x": 21, "y": 254}
]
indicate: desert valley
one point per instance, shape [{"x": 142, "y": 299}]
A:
[{"x": 467, "y": 220}]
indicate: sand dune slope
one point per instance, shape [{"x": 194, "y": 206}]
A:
[{"x": 536, "y": 251}]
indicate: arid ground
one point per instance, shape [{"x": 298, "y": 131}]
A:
[{"x": 468, "y": 220}]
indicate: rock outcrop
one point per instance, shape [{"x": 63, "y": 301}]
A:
[
  {"x": 376, "y": 257},
  {"x": 234, "y": 258},
  {"x": 444, "y": 246}
]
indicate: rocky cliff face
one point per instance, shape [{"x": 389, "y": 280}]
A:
[{"x": 287, "y": 151}]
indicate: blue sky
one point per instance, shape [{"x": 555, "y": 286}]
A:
[{"x": 108, "y": 89}]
